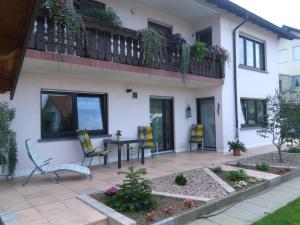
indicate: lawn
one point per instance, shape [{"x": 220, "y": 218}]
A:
[{"x": 287, "y": 215}]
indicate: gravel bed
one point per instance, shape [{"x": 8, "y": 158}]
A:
[
  {"x": 199, "y": 183},
  {"x": 289, "y": 159}
]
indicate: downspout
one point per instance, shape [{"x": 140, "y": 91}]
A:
[{"x": 235, "y": 76}]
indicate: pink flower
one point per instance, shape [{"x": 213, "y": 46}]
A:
[
  {"x": 111, "y": 191},
  {"x": 151, "y": 216},
  {"x": 188, "y": 203},
  {"x": 169, "y": 210}
]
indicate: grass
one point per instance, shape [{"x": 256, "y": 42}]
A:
[{"x": 287, "y": 215}]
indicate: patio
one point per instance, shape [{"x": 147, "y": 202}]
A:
[{"x": 43, "y": 202}]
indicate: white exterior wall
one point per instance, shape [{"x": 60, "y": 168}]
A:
[
  {"x": 251, "y": 84},
  {"x": 124, "y": 113}
]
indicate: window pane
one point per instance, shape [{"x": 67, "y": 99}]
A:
[
  {"x": 57, "y": 115},
  {"x": 261, "y": 111},
  {"x": 250, "y": 53},
  {"x": 89, "y": 113},
  {"x": 297, "y": 53},
  {"x": 295, "y": 81},
  {"x": 251, "y": 118},
  {"x": 242, "y": 51},
  {"x": 282, "y": 56}
]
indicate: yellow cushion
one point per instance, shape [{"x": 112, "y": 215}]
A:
[{"x": 85, "y": 141}]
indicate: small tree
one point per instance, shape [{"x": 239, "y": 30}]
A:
[{"x": 282, "y": 122}]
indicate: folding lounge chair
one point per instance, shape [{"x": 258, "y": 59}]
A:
[{"x": 51, "y": 171}]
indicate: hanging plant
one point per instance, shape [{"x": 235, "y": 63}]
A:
[
  {"x": 107, "y": 15},
  {"x": 68, "y": 21},
  {"x": 152, "y": 45},
  {"x": 185, "y": 59},
  {"x": 200, "y": 50},
  {"x": 219, "y": 53},
  {"x": 8, "y": 136}
]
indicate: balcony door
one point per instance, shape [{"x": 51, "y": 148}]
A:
[
  {"x": 206, "y": 116},
  {"x": 161, "y": 122}
]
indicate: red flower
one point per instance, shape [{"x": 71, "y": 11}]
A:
[
  {"x": 169, "y": 210},
  {"x": 188, "y": 203},
  {"x": 151, "y": 216}
]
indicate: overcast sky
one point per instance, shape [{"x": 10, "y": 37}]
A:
[{"x": 279, "y": 12}]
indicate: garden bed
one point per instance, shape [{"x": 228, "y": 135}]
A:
[
  {"x": 199, "y": 183},
  {"x": 273, "y": 170},
  {"x": 289, "y": 159},
  {"x": 162, "y": 202},
  {"x": 249, "y": 181}
]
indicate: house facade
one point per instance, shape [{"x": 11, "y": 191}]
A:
[
  {"x": 289, "y": 60},
  {"x": 106, "y": 88}
]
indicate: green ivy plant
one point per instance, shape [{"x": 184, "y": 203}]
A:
[
  {"x": 68, "y": 21},
  {"x": 2, "y": 159},
  {"x": 185, "y": 59},
  {"x": 107, "y": 15},
  {"x": 8, "y": 136},
  {"x": 134, "y": 194},
  {"x": 152, "y": 45},
  {"x": 200, "y": 49}
]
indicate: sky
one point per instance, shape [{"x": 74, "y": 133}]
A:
[{"x": 279, "y": 12}]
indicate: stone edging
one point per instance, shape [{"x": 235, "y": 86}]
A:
[
  {"x": 8, "y": 218},
  {"x": 196, "y": 198},
  {"x": 217, "y": 179}
]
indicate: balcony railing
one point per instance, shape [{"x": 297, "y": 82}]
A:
[{"x": 115, "y": 44}]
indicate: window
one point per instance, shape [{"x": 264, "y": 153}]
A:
[
  {"x": 83, "y": 5},
  {"x": 282, "y": 56},
  {"x": 295, "y": 81},
  {"x": 205, "y": 36},
  {"x": 62, "y": 113},
  {"x": 296, "y": 51},
  {"x": 254, "y": 112},
  {"x": 252, "y": 53},
  {"x": 165, "y": 30}
]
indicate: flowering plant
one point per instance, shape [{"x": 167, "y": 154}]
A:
[
  {"x": 240, "y": 184},
  {"x": 169, "y": 210},
  {"x": 188, "y": 203},
  {"x": 111, "y": 191},
  {"x": 217, "y": 52},
  {"x": 151, "y": 216}
]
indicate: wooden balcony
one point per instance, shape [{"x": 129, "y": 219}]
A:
[{"x": 115, "y": 44}]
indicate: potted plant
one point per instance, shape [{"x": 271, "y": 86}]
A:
[
  {"x": 118, "y": 135},
  {"x": 2, "y": 163},
  {"x": 237, "y": 146}
]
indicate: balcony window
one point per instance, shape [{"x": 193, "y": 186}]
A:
[
  {"x": 254, "y": 112},
  {"x": 62, "y": 113},
  {"x": 252, "y": 53},
  {"x": 205, "y": 36},
  {"x": 296, "y": 53},
  {"x": 163, "y": 29}
]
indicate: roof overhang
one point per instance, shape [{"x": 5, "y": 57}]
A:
[
  {"x": 16, "y": 20},
  {"x": 244, "y": 13}
]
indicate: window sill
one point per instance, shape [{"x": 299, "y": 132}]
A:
[
  {"x": 253, "y": 69},
  {"x": 72, "y": 138},
  {"x": 247, "y": 127}
]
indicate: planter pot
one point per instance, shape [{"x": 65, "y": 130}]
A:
[{"x": 236, "y": 152}]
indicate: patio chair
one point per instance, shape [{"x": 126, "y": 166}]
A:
[
  {"x": 145, "y": 134},
  {"x": 51, "y": 170},
  {"x": 88, "y": 149},
  {"x": 197, "y": 136}
]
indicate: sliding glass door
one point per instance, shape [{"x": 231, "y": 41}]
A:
[{"x": 161, "y": 122}]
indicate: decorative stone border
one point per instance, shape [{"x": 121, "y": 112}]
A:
[
  {"x": 8, "y": 218},
  {"x": 196, "y": 198},
  {"x": 217, "y": 179}
]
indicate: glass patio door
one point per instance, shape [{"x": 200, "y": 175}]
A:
[
  {"x": 206, "y": 116},
  {"x": 161, "y": 122}
]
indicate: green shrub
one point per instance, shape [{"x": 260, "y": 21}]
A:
[
  {"x": 180, "y": 180},
  {"x": 134, "y": 194},
  {"x": 104, "y": 15},
  {"x": 263, "y": 166},
  {"x": 217, "y": 169},
  {"x": 2, "y": 159},
  {"x": 237, "y": 144},
  {"x": 200, "y": 49},
  {"x": 238, "y": 175},
  {"x": 294, "y": 150}
]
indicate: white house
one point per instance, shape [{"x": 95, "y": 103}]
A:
[{"x": 107, "y": 89}]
